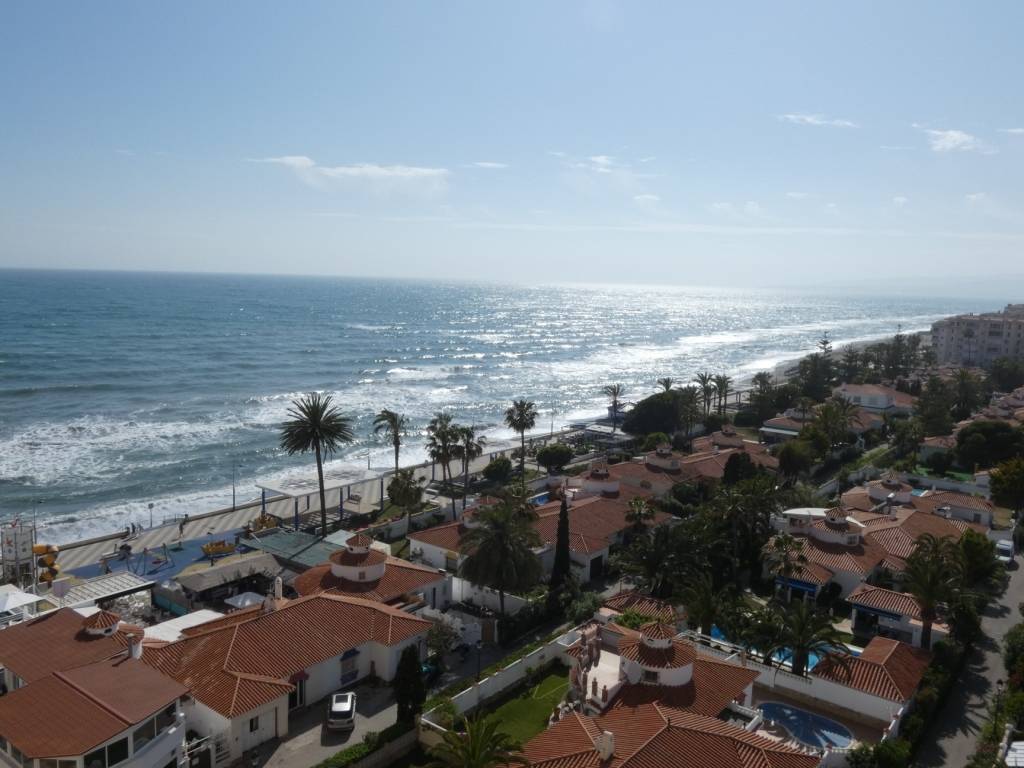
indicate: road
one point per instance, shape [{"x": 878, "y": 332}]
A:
[{"x": 954, "y": 732}]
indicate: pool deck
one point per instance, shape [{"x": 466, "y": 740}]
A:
[{"x": 863, "y": 729}]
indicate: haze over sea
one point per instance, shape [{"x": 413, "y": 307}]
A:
[{"x": 120, "y": 389}]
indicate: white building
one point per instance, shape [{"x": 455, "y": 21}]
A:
[{"x": 980, "y": 339}]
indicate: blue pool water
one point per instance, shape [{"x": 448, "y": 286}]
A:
[
  {"x": 784, "y": 656},
  {"x": 541, "y": 498},
  {"x": 808, "y": 728},
  {"x": 918, "y": 492}
]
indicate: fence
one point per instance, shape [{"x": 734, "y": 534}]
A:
[
  {"x": 389, "y": 753},
  {"x": 465, "y": 592}
]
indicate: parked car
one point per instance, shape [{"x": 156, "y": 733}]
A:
[
  {"x": 1004, "y": 551},
  {"x": 341, "y": 712}
]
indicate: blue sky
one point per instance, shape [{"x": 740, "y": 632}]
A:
[{"x": 755, "y": 143}]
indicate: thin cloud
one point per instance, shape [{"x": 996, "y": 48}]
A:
[
  {"x": 1013, "y": 131},
  {"x": 899, "y": 201},
  {"x": 315, "y": 175},
  {"x": 805, "y": 118},
  {"x": 796, "y": 195},
  {"x": 490, "y": 165},
  {"x": 895, "y": 147},
  {"x": 647, "y": 198},
  {"x": 648, "y": 159},
  {"x": 953, "y": 140},
  {"x": 974, "y": 198}
]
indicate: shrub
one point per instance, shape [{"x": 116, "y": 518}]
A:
[
  {"x": 499, "y": 470},
  {"x": 583, "y": 607},
  {"x": 654, "y": 439},
  {"x": 371, "y": 743},
  {"x": 554, "y": 456},
  {"x": 1013, "y": 648}
]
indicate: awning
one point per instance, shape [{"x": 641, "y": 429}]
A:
[{"x": 16, "y": 599}]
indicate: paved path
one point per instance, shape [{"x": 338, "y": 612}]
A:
[{"x": 954, "y": 732}]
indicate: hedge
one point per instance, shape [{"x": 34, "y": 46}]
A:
[{"x": 370, "y": 744}]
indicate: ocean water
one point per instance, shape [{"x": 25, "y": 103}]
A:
[{"x": 123, "y": 389}]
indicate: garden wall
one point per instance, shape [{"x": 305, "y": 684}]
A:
[{"x": 465, "y": 592}]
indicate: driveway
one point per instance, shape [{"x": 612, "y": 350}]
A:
[
  {"x": 954, "y": 733},
  {"x": 308, "y": 741}
]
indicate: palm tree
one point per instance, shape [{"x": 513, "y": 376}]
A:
[
  {"x": 805, "y": 631},
  {"x": 639, "y": 514},
  {"x": 394, "y": 426},
  {"x": 783, "y": 556},
  {"x": 666, "y": 384},
  {"x": 652, "y": 562},
  {"x": 481, "y": 746},
  {"x": 406, "y": 491},
  {"x": 316, "y": 425},
  {"x": 762, "y": 380},
  {"x": 614, "y": 393},
  {"x": 965, "y": 387},
  {"x": 441, "y": 439},
  {"x": 688, "y": 399},
  {"x": 705, "y": 381},
  {"x": 520, "y": 417},
  {"x": 932, "y": 576},
  {"x": 499, "y": 551},
  {"x": 722, "y": 384},
  {"x": 468, "y": 448},
  {"x": 703, "y": 602}
]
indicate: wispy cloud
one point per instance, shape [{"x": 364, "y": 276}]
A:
[
  {"x": 647, "y": 198},
  {"x": 310, "y": 172},
  {"x": 899, "y": 201},
  {"x": 796, "y": 195},
  {"x": 953, "y": 140},
  {"x": 1013, "y": 131},
  {"x": 648, "y": 159},
  {"x": 490, "y": 165},
  {"x": 974, "y": 198},
  {"x": 751, "y": 209},
  {"x": 807, "y": 118}
]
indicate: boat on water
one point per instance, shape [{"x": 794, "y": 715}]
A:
[{"x": 218, "y": 548}]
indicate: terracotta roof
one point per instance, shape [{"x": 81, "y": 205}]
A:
[
  {"x": 653, "y": 736},
  {"x": 644, "y": 605},
  {"x": 812, "y": 573},
  {"x": 885, "y": 600},
  {"x": 678, "y": 654},
  {"x": 101, "y": 620},
  {"x": 53, "y": 642},
  {"x": 940, "y": 441},
  {"x": 400, "y": 577},
  {"x": 357, "y": 559},
  {"x": 658, "y": 630},
  {"x": 933, "y": 500},
  {"x": 244, "y": 660},
  {"x": 359, "y": 540},
  {"x": 94, "y": 703},
  {"x": 885, "y": 668},
  {"x": 859, "y": 499}
]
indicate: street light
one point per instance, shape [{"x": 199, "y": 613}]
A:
[
  {"x": 151, "y": 514},
  {"x": 479, "y": 648}
]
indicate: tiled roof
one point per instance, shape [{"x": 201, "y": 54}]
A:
[
  {"x": 886, "y": 668},
  {"x": 859, "y": 499},
  {"x": 245, "y": 659},
  {"x": 940, "y": 441},
  {"x": 447, "y": 536},
  {"x": 677, "y": 654},
  {"x": 658, "y": 630},
  {"x": 94, "y": 703},
  {"x": 101, "y": 620},
  {"x": 812, "y": 573},
  {"x": 785, "y": 423},
  {"x": 933, "y": 500},
  {"x": 400, "y": 577},
  {"x": 53, "y": 642},
  {"x": 653, "y": 736},
  {"x": 644, "y": 605},
  {"x": 356, "y": 559},
  {"x": 359, "y": 540},
  {"x": 885, "y": 600}
]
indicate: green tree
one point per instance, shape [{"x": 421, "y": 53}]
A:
[
  {"x": 659, "y": 412},
  {"x": 979, "y": 566},
  {"x": 934, "y": 408},
  {"x": 521, "y": 417},
  {"x": 554, "y": 456},
  {"x": 1007, "y": 373},
  {"x": 933, "y": 576},
  {"x": 614, "y": 393},
  {"x": 703, "y": 602},
  {"x": 805, "y": 631},
  {"x": 666, "y": 384},
  {"x": 499, "y": 551},
  {"x": 796, "y": 457},
  {"x": 966, "y": 393},
  {"x": 653, "y": 562},
  {"x": 987, "y": 443},
  {"x": 687, "y": 401},
  {"x": 738, "y": 467},
  {"x": 442, "y": 638},
  {"x": 468, "y": 447},
  {"x": 705, "y": 381},
  {"x": 722, "y": 384},
  {"x": 1008, "y": 484},
  {"x": 316, "y": 425},
  {"x": 482, "y": 745},
  {"x": 406, "y": 491},
  {"x": 834, "y": 419},
  {"x": 654, "y": 439},
  {"x": 410, "y": 689},
  {"x": 562, "y": 566},
  {"x": 394, "y": 427},
  {"x": 784, "y": 556},
  {"x": 498, "y": 470},
  {"x": 906, "y": 437},
  {"x": 639, "y": 514},
  {"x": 442, "y": 437}
]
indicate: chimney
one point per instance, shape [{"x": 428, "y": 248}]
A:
[
  {"x": 134, "y": 646},
  {"x": 278, "y": 588},
  {"x": 605, "y": 745}
]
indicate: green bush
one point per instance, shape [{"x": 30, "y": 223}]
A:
[
  {"x": 554, "y": 456},
  {"x": 499, "y": 470},
  {"x": 371, "y": 743},
  {"x": 654, "y": 439}
]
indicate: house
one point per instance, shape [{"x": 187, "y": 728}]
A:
[
  {"x": 209, "y": 583},
  {"x": 80, "y": 696},
  {"x": 633, "y": 601},
  {"x": 663, "y": 468},
  {"x": 361, "y": 571},
  {"x": 785, "y": 426},
  {"x": 886, "y": 668},
  {"x": 889, "y": 490},
  {"x": 653, "y": 701},
  {"x": 877, "y": 398},
  {"x": 963, "y": 506},
  {"x": 937, "y": 444},
  {"x": 596, "y": 524},
  {"x": 888, "y": 613},
  {"x": 847, "y": 547},
  {"x": 248, "y": 671}
]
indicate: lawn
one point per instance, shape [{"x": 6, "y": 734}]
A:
[{"x": 526, "y": 715}]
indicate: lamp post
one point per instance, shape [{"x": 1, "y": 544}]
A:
[
  {"x": 999, "y": 697},
  {"x": 151, "y": 514},
  {"x": 479, "y": 648}
]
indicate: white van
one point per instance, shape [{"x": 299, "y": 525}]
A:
[{"x": 1004, "y": 551}]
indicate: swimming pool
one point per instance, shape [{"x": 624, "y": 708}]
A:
[
  {"x": 808, "y": 728},
  {"x": 918, "y": 492},
  {"x": 784, "y": 656},
  {"x": 540, "y": 498}
]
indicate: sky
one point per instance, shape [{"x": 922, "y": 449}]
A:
[{"x": 746, "y": 144}]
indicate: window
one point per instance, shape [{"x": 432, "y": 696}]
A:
[
  {"x": 97, "y": 759},
  {"x": 57, "y": 763},
  {"x": 254, "y": 724},
  {"x": 166, "y": 718},
  {"x": 650, "y": 676},
  {"x": 117, "y": 752},
  {"x": 362, "y": 575},
  {"x": 144, "y": 734}
]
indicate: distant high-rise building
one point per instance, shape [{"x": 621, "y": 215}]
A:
[{"x": 980, "y": 339}]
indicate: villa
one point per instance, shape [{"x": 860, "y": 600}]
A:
[
  {"x": 886, "y": 668},
  {"x": 81, "y": 698},
  {"x": 892, "y": 492},
  {"x": 887, "y": 613},
  {"x": 877, "y": 398},
  {"x": 359, "y": 570},
  {"x": 596, "y": 524},
  {"x": 248, "y": 671},
  {"x": 633, "y": 601},
  {"x": 662, "y": 468}
]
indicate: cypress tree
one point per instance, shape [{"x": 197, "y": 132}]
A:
[{"x": 561, "y": 569}]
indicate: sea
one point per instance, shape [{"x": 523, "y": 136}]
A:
[{"x": 121, "y": 390}]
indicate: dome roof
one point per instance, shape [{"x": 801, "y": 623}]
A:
[
  {"x": 101, "y": 620},
  {"x": 359, "y": 540},
  {"x": 658, "y": 630},
  {"x": 349, "y": 557}
]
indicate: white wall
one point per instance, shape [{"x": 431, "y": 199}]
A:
[{"x": 465, "y": 592}]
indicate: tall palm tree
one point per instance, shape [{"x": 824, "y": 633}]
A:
[
  {"x": 652, "y": 562},
  {"x": 521, "y": 416},
  {"x": 639, "y": 513},
  {"x": 614, "y": 393},
  {"x": 499, "y": 551},
  {"x": 441, "y": 440},
  {"x": 666, "y": 383},
  {"x": 762, "y": 381},
  {"x": 394, "y": 426},
  {"x": 722, "y": 384},
  {"x": 805, "y": 631},
  {"x": 784, "y": 556},
  {"x": 481, "y": 746},
  {"x": 468, "y": 448},
  {"x": 966, "y": 393},
  {"x": 703, "y": 602},
  {"x": 406, "y": 490},
  {"x": 706, "y": 383},
  {"x": 316, "y": 425},
  {"x": 932, "y": 576},
  {"x": 688, "y": 399}
]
